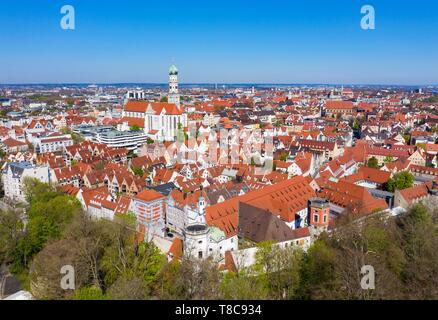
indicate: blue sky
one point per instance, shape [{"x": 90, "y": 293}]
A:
[{"x": 276, "y": 41}]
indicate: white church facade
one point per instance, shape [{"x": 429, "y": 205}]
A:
[{"x": 159, "y": 120}]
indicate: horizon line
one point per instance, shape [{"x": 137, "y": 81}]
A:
[{"x": 220, "y": 83}]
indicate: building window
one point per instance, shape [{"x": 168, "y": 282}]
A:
[
  {"x": 200, "y": 254},
  {"x": 315, "y": 218},
  {"x": 325, "y": 218}
]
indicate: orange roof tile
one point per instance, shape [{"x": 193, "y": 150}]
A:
[
  {"x": 283, "y": 199},
  {"x": 149, "y": 195},
  {"x": 176, "y": 249}
]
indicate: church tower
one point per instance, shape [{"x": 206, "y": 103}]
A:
[{"x": 173, "y": 86}]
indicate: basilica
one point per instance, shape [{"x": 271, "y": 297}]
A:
[{"x": 159, "y": 120}]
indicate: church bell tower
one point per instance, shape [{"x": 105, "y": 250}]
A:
[{"x": 173, "y": 86}]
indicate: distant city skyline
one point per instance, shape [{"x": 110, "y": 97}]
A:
[{"x": 283, "y": 42}]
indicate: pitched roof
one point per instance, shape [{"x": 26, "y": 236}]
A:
[
  {"x": 170, "y": 108},
  {"x": 123, "y": 205},
  {"x": 69, "y": 189},
  {"x": 176, "y": 249},
  {"x": 259, "y": 225},
  {"x": 149, "y": 195},
  {"x": 341, "y": 105},
  {"x": 10, "y": 143},
  {"x": 133, "y": 121},
  {"x": 416, "y": 192},
  {"x": 283, "y": 199},
  {"x": 350, "y": 196},
  {"x": 369, "y": 174},
  {"x": 136, "y": 106},
  {"x": 315, "y": 144}
]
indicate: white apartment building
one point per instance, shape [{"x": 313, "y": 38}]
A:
[
  {"x": 130, "y": 140},
  {"x": 52, "y": 144},
  {"x": 14, "y": 174},
  {"x": 149, "y": 209}
]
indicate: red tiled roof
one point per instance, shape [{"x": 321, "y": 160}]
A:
[
  {"x": 387, "y": 152},
  {"x": 369, "y": 174},
  {"x": 350, "y": 196},
  {"x": 133, "y": 121},
  {"x": 176, "y": 249},
  {"x": 123, "y": 205},
  {"x": 149, "y": 195},
  {"x": 229, "y": 262},
  {"x": 416, "y": 192},
  {"x": 315, "y": 144},
  {"x": 341, "y": 105},
  {"x": 136, "y": 106},
  {"x": 283, "y": 199},
  {"x": 10, "y": 143},
  {"x": 170, "y": 108}
]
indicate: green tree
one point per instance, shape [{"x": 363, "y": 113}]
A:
[
  {"x": 388, "y": 159},
  {"x": 89, "y": 293},
  {"x": 128, "y": 288},
  {"x": 135, "y": 127},
  {"x": 400, "y": 181},
  {"x": 76, "y": 137},
  {"x": 373, "y": 163},
  {"x": 47, "y": 221},
  {"x": 190, "y": 279},
  {"x": 11, "y": 230},
  {"x": 419, "y": 240},
  {"x": 36, "y": 190},
  {"x": 49, "y": 214},
  {"x": 164, "y": 99},
  {"x": 283, "y": 156},
  {"x": 45, "y": 275},
  {"x": 138, "y": 171},
  {"x": 317, "y": 273},
  {"x": 242, "y": 286},
  {"x": 278, "y": 123},
  {"x": 356, "y": 125}
]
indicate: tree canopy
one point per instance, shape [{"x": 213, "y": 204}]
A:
[
  {"x": 400, "y": 181},
  {"x": 373, "y": 163}
]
